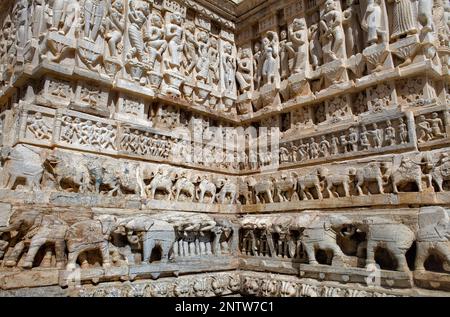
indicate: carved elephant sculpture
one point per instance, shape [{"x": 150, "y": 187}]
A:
[
  {"x": 151, "y": 233},
  {"x": 262, "y": 190}
]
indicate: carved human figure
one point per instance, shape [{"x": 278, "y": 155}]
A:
[
  {"x": 315, "y": 47},
  {"x": 298, "y": 35},
  {"x": 334, "y": 145},
  {"x": 174, "y": 37},
  {"x": 137, "y": 16},
  {"x": 270, "y": 67},
  {"x": 156, "y": 44},
  {"x": 313, "y": 149},
  {"x": 372, "y": 22},
  {"x": 257, "y": 65},
  {"x": 94, "y": 12},
  {"x": 424, "y": 131},
  {"x": 38, "y": 127},
  {"x": 402, "y": 131},
  {"x": 214, "y": 60},
  {"x": 332, "y": 34},
  {"x": 343, "y": 142},
  {"x": 190, "y": 49},
  {"x": 115, "y": 26},
  {"x": 425, "y": 15},
  {"x": 389, "y": 133},
  {"x": 229, "y": 67},
  {"x": 377, "y": 136},
  {"x": 244, "y": 70},
  {"x": 352, "y": 28},
  {"x": 436, "y": 126},
  {"x": 353, "y": 139},
  {"x": 284, "y": 55},
  {"x": 364, "y": 138},
  {"x": 202, "y": 65},
  {"x": 403, "y": 21},
  {"x": 324, "y": 147}
]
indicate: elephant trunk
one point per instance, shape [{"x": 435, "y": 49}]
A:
[{"x": 133, "y": 239}]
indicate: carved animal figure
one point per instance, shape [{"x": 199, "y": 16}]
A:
[
  {"x": 286, "y": 187},
  {"x": 160, "y": 182},
  {"x": 409, "y": 171},
  {"x": 206, "y": 187},
  {"x": 262, "y": 190},
  {"x": 372, "y": 172},
  {"x": 150, "y": 233},
  {"x": 308, "y": 181},
  {"x": 334, "y": 180},
  {"x": 433, "y": 235},
  {"x": 228, "y": 188},
  {"x": 64, "y": 170},
  {"x": 21, "y": 162},
  {"x": 441, "y": 172},
  {"x": 320, "y": 234},
  {"x": 395, "y": 237},
  {"x": 185, "y": 186},
  {"x": 88, "y": 235}
]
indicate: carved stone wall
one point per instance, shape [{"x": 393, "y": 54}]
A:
[{"x": 192, "y": 148}]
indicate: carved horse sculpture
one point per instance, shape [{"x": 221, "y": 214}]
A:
[
  {"x": 206, "y": 187},
  {"x": 262, "y": 190},
  {"x": 308, "y": 181},
  {"x": 21, "y": 162},
  {"x": 372, "y": 172},
  {"x": 185, "y": 186}
]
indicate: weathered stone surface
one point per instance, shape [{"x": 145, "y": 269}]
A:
[{"x": 224, "y": 148}]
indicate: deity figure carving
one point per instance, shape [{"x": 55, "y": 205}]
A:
[
  {"x": 156, "y": 43},
  {"x": 137, "y": 15},
  {"x": 402, "y": 131},
  {"x": 244, "y": 70},
  {"x": 115, "y": 26},
  {"x": 332, "y": 33},
  {"x": 257, "y": 65},
  {"x": 372, "y": 22},
  {"x": 174, "y": 37},
  {"x": 403, "y": 21},
  {"x": 424, "y": 131},
  {"x": 229, "y": 67},
  {"x": 270, "y": 66},
  {"x": 324, "y": 147},
  {"x": 352, "y": 27},
  {"x": 202, "y": 65},
  {"x": 298, "y": 35},
  {"x": 284, "y": 55},
  {"x": 94, "y": 12},
  {"x": 364, "y": 139},
  {"x": 389, "y": 133},
  {"x": 353, "y": 140},
  {"x": 334, "y": 145},
  {"x": 377, "y": 136}
]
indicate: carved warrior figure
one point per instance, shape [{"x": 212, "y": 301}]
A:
[
  {"x": 403, "y": 21},
  {"x": 372, "y": 22},
  {"x": 115, "y": 26},
  {"x": 137, "y": 16},
  {"x": 94, "y": 11}
]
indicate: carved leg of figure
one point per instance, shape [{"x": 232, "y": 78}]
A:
[
  {"x": 358, "y": 186},
  {"x": 72, "y": 259},
  {"x": 346, "y": 189},
  {"x": 370, "y": 253},
  {"x": 319, "y": 192},
  {"x": 328, "y": 189},
  {"x": 104, "y": 249},
  {"x": 82, "y": 258},
  {"x": 302, "y": 193},
  {"x": 401, "y": 259},
  {"x": 394, "y": 186},
  {"x": 380, "y": 185},
  {"x": 149, "y": 244},
  {"x": 310, "y": 252},
  {"x": 34, "y": 247},
  {"x": 443, "y": 248},
  {"x": 422, "y": 254},
  {"x": 165, "y": 250},
  {"x": 12, "y": 255},
  {"x": 269, "y": 195},
  {"x": 11, "y": 181},
  {"x": 418, "y": 181}
]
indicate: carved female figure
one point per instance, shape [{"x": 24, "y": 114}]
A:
[
  {"x": 156, "y": 44},
  {"x": 389, "y": 133},
  {"x": 271, "y": 50},
  {"x": 190, "y": 49},
  {"x": 115, "y": 26},
  {"x": 94, "y": 11},
  {"x": 298, "y": 34},
  {"x": 202, "y": 66},
  {"x": 352, "y": 27},
  {"x": 403, "y": 131},
  {"x": 315, "y": 48},
  {"x": 372, "y": 21},
  {"x": 284, "y": 55},
  {"x": 229, "y": 67},
  {"x": 403, "y": 21},
  {"x": 174, "y": 36},
  {"x": 244, "y": 71},
  {"x": 332, "y": 34},
  {"x": 213, "y": 55},
  {"x": 257, "y": 64}
]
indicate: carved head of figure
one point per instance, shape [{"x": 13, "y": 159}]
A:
[
  {"x": 228, "y": 48},
  {"x": 118, "y": 5},
  {"x": 202, "y": 37},
  {"x": 190, "y": 27},
  {"x": 245, "y": 53},
  {"x": 213, "y": 42},
  {"x": 38, "y": 115},
  {"x": 176, "y": 18},
  {"x": 156, "y": 20},
  {"x": 330, "y": 5},
  {"x": 283, "y": 35},
  {"x": 434, "y": 115},
  {"x": 298, "y": 24},
  {"x": 257, "y": 48}
]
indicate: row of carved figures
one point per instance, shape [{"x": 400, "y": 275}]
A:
[
  {"x": 26, "y": 168},
  {"x": 37, "y": 239},
  {"x": 335, "y": 34},
  {"x": 342, "y": 238}
]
